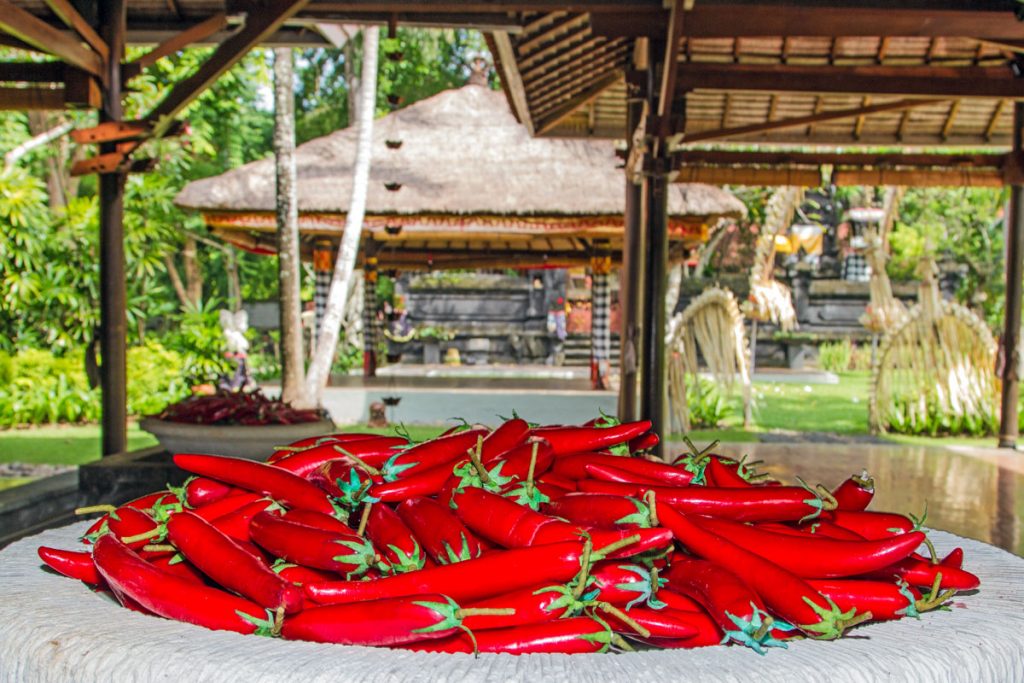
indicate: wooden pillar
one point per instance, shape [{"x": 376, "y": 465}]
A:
[
  {"x": 113, "y": 324},
  {"x": 600, "y": 312},
  {"x": 370, "y": 311},
  {"x": 1008, "y": 428},
  {"x": 654, "y": 373},
  {"x": 630, "y": 278}
]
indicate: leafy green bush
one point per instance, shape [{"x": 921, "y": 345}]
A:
[
  {"x": 198, "y": 339},
  {"x": 835, "y": 356},
  {"x": 48, "y": 389},
  {"x": 937, "y": 423},
  {"x": 708, "y": 408}
]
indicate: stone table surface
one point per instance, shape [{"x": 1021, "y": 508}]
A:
[{"x": 56, "y": 629}]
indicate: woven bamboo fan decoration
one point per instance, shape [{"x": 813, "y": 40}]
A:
[
  {"x": 769, "y": 299},
  {"x": 934, "y": 372},
  {"x": 711, "y": 326}
]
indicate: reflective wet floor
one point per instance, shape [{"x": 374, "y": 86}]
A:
[{"x": 973, "y": 492}]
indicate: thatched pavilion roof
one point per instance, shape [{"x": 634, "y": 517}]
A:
[{"x": 472, "y": 180}]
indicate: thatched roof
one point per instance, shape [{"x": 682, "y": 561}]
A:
[{"x": 462, "y": 153}]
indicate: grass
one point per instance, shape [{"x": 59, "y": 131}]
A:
[{"x": 61, "y": 444}]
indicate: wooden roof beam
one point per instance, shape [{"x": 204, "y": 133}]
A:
[
  {"x": 551, "y": 98},
  {"x": 70, "y": 16},
  {"x": 512, "y": 79},
  {"x": 922, "y": 81},
  {"x": 560, "y": 113},
  {"x": 798, "y": 121},
  {"x": 717, "y": 157},
  {"x": 560, "y": 28},
  {"x": 194, "y": 34},
  {"x": 258, "y": 25},
  {"x": 670, "y": 67},
  {"x": 32, "y": 30}
]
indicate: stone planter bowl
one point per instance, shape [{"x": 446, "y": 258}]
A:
[{"x": 240, "y": 441}]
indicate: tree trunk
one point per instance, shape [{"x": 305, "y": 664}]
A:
[
  {"x": 327, "y": 344},
  {"x": 289, "y": 268},
  {"x": 179, "y": 286},
  {"x": 193, "y": 276}
]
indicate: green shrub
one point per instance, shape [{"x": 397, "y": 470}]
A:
[
  {"x": 937, "y": 423},
  {"x": 198, "y": 339},
  {"x": 48, "y": 389},
  {"x": 835, "y": 356},
  {"x": 708, "y": 408}
]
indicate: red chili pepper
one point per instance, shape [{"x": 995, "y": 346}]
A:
[
  {"x": 431, "y": 454},
  {"x": 502, "y": 521},
  {"x": 199, "y": 491},
  {"x": 678, "y": 601},
  {"x": 347, "y": 482},
  {"x": 601, "y": 510},
  {"x": 643, "y": 443},
  {"x": 553, "y": 479},
  {"x": 921, "y": 573},
  {"x": 533, "y": 605},
  {"x": 284, "y": 487},
  {"x": 236, "y": 523},
  {"x": 426, "y": 482},
  {"x": 506, "y": 571},
  {"x": 717, "y": 472},
  {"x": 439, "y": 531},
  {"x": 317, "y": 520},
  {"x": 72, "y": 564},
  {"x": 562, "y": 636},
  {"x": 396, "y": 542},
  {"x": 734, "y": 606},
  {"x": 884, "y": 599},
  {"x": 566, "y": 440},
  {"x": 378, "y": 623},
  {"x": 226, "y": 505},
  {"x": 611, "y": 473},
  {"x": 510, "y": 434},
  {"x": 622, "y": 584},
  {"x": 708, "y": 634},
  {"x": 575, "y": 467},
  {"x": 786, "y": 595},
  {"x": 955, "y": 558},
  {"x": 310, "y": 442},
  {"x": 172, "y": 597},
  {"x": 230, "y": 565},
  {"x": 178, "y": 566},
  {"x": 813, "y": 557},
  {"x": 873, "y": 524},
  {"x": 855, "y": 493},
  {"x": 144, "y": 503},
  {"x": 660, "y": 623},
  {"x": 130, "y": 522},
  {"x": 374, "y": 452},
  {"x": 346, "y": 554},
  {"x": 516, "y": 462},
  {"x": 761, "y": 504}
]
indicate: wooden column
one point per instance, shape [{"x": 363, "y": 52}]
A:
[
  {"x": 653, "y": 377},
  {"x": 370, "y": 310},
  {"x": 630, "y": 279},
  {"x": 1008, "y": 428},
  {"x": 113, "y": 324},
  {"x": 600, "y": 311}
]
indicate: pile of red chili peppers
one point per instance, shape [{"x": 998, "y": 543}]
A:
[
  {"x": 251, "y": 408},
  {"x": 518, "y": 539}
]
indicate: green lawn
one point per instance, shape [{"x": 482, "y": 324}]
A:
[{"x": 61, "y": 444}]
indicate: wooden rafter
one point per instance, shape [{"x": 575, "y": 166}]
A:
[
  {"x": 718, "y": 157},
  {"x": 670, "y": 68},
  {"x": 601, "y": 46},
  {"x": 993, "y": 120},
  {"x": 523, "y": 48},
  {"x": 819, "y": 104},
  {"x": 258, "y": 25},
  {"x": 557, "y": 115},
  {"x": 197, "y": 33},
  {"x": 610, "y": 59},
  {"x": 70, "y": 16},
  {"x": 571, "y": 88},
  {"x": 858, "y": 126},
  {"x": 947, "y": 127},
  {"x": 30, "y": 29},
  {"x": 798, "y": 121},
  {"x": 923, "y": 81},
  {"x": 563, "y": 59},
  {"x": 511, "y": 78},
  {"x": 570, "y": 38}
]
